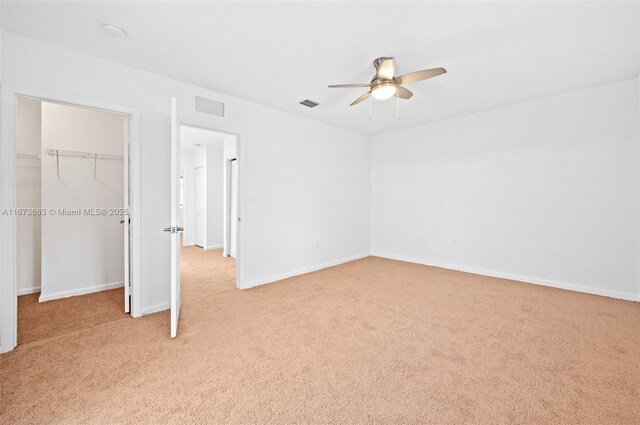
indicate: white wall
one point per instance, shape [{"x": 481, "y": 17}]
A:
[
  {"x": 28, "y": 139},
  {"x": 306, "y": 183},
  {"x": 215, "y": 164},
  {"x": 546, "y": 191},
  {"x": 191, "y": 159},
  {"x": 81, "y": 253}
]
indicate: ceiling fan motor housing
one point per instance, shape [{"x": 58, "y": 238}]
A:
[{"x": 377, "y": 62}]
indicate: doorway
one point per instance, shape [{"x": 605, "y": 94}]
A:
[
  {"x": 197, "y": 267},
  {"x": 72, "y": 197},
  {"x": 205, "y": 265},
  {"x": 70, "y": 175}
]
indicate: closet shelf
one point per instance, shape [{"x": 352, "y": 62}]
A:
[
  {"x": 79, "y": 154},
  {"x": 58, "y": 153},
  {"x": 29, "y": 156}
]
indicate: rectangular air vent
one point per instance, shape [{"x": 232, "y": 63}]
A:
[
  {"x": 208, "y": 106},
  {"x": 309, "y": 103}
]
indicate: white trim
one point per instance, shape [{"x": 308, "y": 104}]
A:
[
  {"x": 81, "y": 291},
  {"x": 304, "y": 271},
  {"x": 208, "y": 248},
  {"x": 135, "y": 179},
  {"x": 226, "y": 239},
  {"x": 126, "y": 231},
  {"x": 8, "y": 267},
  {"x": 240, "y": 234},
  {"x": 188, "y": 244},
  {"x": 515, "y": 277},
  {"x": 27, "y": 291},
  {"x": 155, "y": 308},
  {"x": 8, "y": 284}
]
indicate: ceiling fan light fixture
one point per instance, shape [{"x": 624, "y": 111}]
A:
[{"x": 384, "y": 91}]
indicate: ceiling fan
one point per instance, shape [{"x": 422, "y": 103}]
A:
[{"x": 385, "y": 84}]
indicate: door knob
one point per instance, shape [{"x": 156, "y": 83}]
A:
[{"x": 174, "y": 229}]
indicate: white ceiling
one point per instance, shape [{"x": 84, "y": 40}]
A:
[
  {"x": 277, "y": 54},
  {"x": 191, "y": 138}
]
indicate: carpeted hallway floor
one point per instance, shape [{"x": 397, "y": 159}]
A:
[{"x": 371, "y": 341}]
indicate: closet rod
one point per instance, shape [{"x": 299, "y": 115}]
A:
[{"x": 79, "y": 154}]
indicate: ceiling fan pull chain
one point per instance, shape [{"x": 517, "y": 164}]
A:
[
  {"x": 370, "y": 101},
  {"x": 397, "y": 107}
]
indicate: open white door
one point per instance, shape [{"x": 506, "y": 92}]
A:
[
  {"x": 174, "y": 228},
  {"x": 126, "y": 220}
]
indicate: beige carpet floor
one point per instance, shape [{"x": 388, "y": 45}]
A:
[
  {"x": 37, "y": 321},
  {"x": 371, "y": 341}
]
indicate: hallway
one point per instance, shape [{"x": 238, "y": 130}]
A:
[{"x": 205, "y": 272}]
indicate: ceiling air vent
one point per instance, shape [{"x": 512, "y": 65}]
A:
[
  {"x": 208, "y": 106},
  {"x": 309, "y": 103}
]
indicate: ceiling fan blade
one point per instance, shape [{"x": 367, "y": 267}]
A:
[
  {"x": 403, "y": 93},
  {"x": 420, "y": 75},
  {"x": 344, "y": 86},
  {"x": 385, "y": 68},
  {"x": 361, "y": 98}
]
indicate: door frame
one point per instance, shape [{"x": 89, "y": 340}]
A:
[
  {"x": 240, "y": 234},
  {"x": 197, "y": 201},
  {"x": 228, "y": 163},
  {"x": 8, "y": 267}
]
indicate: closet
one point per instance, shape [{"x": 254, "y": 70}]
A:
[{"x": 70, "y": 199}]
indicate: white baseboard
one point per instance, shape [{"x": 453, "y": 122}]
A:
[
  {"x": 212, "y": 247},
  {"x": 80, "y": 291},
  {"x": 155, "y": 308},
  {"x": 519, "y": 278},
  {"x": 298, "y": 272},
  {"x": 27, "y": 291},
  {"x": 188, "y": 244}
]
